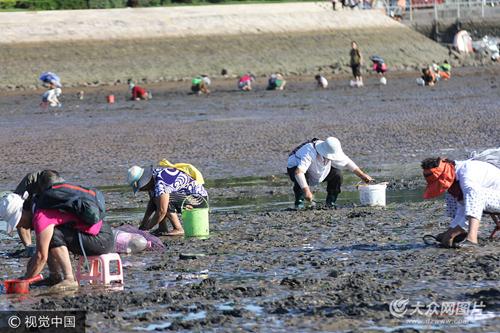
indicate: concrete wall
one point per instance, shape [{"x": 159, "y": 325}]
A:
[
  {"x": 182, "y": 22},
  {"x": 154, "y": 44}
]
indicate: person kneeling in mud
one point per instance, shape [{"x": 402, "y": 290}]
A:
[
  {"x": 167, "y": 188},
  {"x": 138, "y": 93},
  {"x": 319, "y": 161},
  {"x": 471, "y": 187},
  {"x": 58, "y": 233},
  {"x": 200, "y": 84},
  {"x": 276, "y": 82}
]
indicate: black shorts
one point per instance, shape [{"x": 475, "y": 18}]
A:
[
  {"x": 196, "y": 88},
  {"x": 356, "y": 70},
  {"x": 67, "y": 235}
]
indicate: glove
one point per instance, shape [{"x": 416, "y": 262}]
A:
[{"x": 30, "y": 250}]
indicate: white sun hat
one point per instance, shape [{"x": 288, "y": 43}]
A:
[
  {"x": 138, "y": 177},
  {"x": 11, "y": 209},
  {"x": 331, "y": 149}
]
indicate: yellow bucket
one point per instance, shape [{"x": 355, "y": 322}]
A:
[{"x": 195, "y": 221}]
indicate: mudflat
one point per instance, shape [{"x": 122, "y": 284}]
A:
[{"x": 277, "y": 269}]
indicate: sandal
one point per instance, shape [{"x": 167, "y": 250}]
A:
[
  {"x": 431, "y": 240},
  {"x": 437, "y": 240},
  {"x": 468, "y": 245}
]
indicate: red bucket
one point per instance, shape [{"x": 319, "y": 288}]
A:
[
  {"x": 18, "y": 286},
  {"x": 111, "y": 99}
]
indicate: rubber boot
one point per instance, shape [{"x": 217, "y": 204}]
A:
[
  {"x": 299, "y": 200},
  {"x": 331, "y": 198}
]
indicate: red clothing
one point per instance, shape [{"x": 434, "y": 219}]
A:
[
  {"x": 139, "y": 92},
  {"x": 245, "y": 78}
]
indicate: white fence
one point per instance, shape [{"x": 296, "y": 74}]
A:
[{"x": 448, "y": 10}]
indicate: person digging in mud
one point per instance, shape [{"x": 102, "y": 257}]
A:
[
  {"x": 51, "y": 98},
  {"x": 276, "y": 82},
  {"x": 471, "y": 187},
  {"x": 32, "y": 184},
  {"x": 445, "y": 70},
  {"x": 379, "y": 67},
  {"x": 319, "y": 161},
  {"x": 200, "y": 84},
  {"x": 138, "y": 93},
  {"x": 245, "y": 82},
  {"x": 429, "y": 77},
  {"x": 58, "y": 233},
  {"x": 321, "y": 81},
  {"x": 167, "y": 188}
]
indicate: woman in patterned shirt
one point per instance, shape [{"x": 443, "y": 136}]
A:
[
  {"x": 472, "y": 187},
  {"x": 167, "y": 189}
]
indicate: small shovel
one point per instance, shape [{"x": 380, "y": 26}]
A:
[{"x": 19, "y": 286}]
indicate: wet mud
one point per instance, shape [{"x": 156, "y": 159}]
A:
[{"x": 272, "y": 269}]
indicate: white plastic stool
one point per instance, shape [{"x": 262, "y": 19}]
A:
[{"x": 100, "y": 271}]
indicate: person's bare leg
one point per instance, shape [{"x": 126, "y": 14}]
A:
[
  {"x": 176, "y": 223},
  {"x": 61, "y": 256},
  {"x": 54, "y": 270},
  {"x": 496, "y": 219},
  {"x": 473, "y": 230},
  {"x": 162, "y": 226}
]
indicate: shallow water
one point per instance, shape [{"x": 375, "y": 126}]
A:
[{"x": 280, "y": 270}]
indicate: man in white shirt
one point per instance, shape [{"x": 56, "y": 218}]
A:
[
  {"x": 472, "y": 187},
  {"x": 319, "y": 161}
]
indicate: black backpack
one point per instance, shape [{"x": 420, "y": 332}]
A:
[
  {"x": 86, "y": 203},
  {"x": 313, "y": 140}
]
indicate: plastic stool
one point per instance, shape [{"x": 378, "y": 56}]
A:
[{"x": 100, "y": 269}]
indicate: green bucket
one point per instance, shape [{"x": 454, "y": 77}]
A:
[{"x": 195, "y": 221}]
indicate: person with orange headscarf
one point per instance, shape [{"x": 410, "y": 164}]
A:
[{"x": 471, "y": 187}]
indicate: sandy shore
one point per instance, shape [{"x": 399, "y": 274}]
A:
[{"x": 160, "y": 44}]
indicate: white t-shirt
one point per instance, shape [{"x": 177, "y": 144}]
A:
[
  {"x": 473, "y": 177},
  {"x": 323, "y": 82},
  {"x": 51, "y": 95},
  {"x": 315, "y": 166}
]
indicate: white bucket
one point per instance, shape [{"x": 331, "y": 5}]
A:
[{"x": 372, "y": 195}]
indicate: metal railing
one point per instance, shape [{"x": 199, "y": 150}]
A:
[{"x": 448, "y": 10}]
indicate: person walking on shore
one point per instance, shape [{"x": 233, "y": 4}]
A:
[
  {"x": 318, "y": 161},
  {"x": 356, "y": 62}
]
